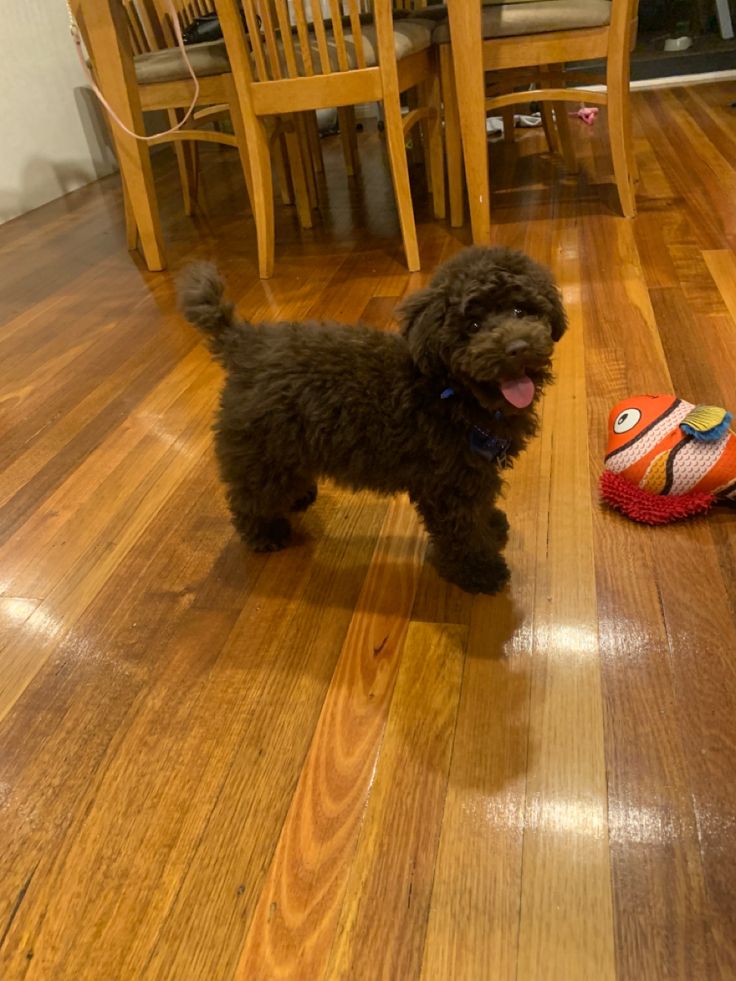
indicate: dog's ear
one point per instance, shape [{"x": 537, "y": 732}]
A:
[
  {"x": 421, "y": 316},
  {"x": 557, "y": 315}
]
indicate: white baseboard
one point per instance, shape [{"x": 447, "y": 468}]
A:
[
  {"x": 672, "y": 81},
  {"x": 726, "y": 75}
]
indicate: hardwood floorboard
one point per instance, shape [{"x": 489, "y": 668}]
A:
[
  {"x": 298, "y": 910},
  {"x": 327, "y": 762},
  {"x": 662, "y": 928},
  {"x": 383, "y": 920},
  {"x": 474, "y": 914}
]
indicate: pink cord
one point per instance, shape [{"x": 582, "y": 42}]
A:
[{"x": 106, "y": 104}]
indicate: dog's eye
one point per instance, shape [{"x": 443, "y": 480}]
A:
[
  {"x": 518, "y": 313},
  {"x": 474, "y": 326}
]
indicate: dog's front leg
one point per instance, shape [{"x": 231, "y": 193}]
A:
[{"x": 466, "y": 538}]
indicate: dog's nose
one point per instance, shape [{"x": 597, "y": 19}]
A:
[{"x": 515, "y": 349}]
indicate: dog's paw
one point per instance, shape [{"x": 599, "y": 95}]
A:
[
  {"x": 306, "y": 501},
  {"x": 271, "y": 536},
  {"x": 488, "y": 575}
]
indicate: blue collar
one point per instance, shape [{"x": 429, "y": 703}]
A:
[{"x": 491, "y": 448}]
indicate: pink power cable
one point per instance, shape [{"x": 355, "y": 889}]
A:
[{"x": 182, "y": 47}]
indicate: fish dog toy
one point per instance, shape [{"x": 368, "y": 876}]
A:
[{"x": 668, "y": 459}]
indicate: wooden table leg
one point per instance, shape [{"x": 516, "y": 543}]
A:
[
  {"x": 106, "y": 35},
  {"x": 467, "y": 45}
]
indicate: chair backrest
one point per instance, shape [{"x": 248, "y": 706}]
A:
[
  {"x": 622, "y": 31},
  {"x": 140, "y": 28},
  {"x": 188, "y": 10},
  {"x": 293, "y": 38},
  {"x": 149, "y": 21}
]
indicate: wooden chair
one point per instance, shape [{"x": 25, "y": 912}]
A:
[
  {"x": 294, "y": 59},
  {"x": 150, "y": 30},
  {"x": 144, "y": 17},
  {"x": 530, "y": 43},
  {"x": 137, "y": 72}
]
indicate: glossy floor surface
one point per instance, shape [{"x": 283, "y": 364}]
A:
[{"x": 327, "y": 763}]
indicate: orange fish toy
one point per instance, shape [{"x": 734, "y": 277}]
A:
[{"x": 668, "y": 459}]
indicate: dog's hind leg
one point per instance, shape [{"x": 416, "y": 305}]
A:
[
  {"x": 265, "y": 480},
  {"x": 270, "y": 534},
  {"x": 265, "y": 532},
  {"x": 259, "y": 512},
  {"x": 259, "y": 522}
]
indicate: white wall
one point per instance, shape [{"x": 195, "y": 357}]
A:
[{"x": 52, "y": 137}]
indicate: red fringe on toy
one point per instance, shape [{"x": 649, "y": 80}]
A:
[{"x": 650, "y": 509}]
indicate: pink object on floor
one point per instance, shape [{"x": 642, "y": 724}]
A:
[{"x": 587, "y": 114}]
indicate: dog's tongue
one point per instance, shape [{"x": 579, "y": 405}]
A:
[{"x": 518, "y": 392}]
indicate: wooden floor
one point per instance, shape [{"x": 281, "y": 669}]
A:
[{"x": 327, "y": 763}]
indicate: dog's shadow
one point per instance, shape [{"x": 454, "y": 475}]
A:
[
  {"x": 494, "y": 643},
  {"x": 487, "y": 753}
]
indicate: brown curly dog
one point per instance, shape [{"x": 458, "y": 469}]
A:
[{"x": 436, "y": 410}]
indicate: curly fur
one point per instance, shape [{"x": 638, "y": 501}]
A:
[{"x": 302, "y": 401}]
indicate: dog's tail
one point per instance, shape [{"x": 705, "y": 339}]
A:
[{"x": 199, "y": 291}]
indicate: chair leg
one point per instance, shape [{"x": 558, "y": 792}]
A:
[
  {"x": 619, "y": 130},
  {"x": 509, "y": 121},
  {"x": 349, "y": 139},
  {"x": 135, "y": 169},
  {"x": 298, "y": 168},
  {"x": 184, "y": 163},
  {"x": 396, "y": 148},
  {"x": 453, "y": 144},
  {"x": 565, "y": 137},
  {"x": 433, "y": 144},
  {"x": 236, "y": 119},
  {"x": 256, "y": 161},
  {"x": 426, "y": 160},
  {"x": 466, "y": 34},
  {"x": 115, "y": 76},
  {"x": 300, "y": 127},
  {"x": 192, "y": 150},
  {"x": 262, "y": 201},
  {"x": 550, "y": 130},
  {"x": 414, "y": 150},
  {"x": 282, "y": 173},
  {"x": 315, "y": 143}
]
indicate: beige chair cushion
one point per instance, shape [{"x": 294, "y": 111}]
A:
[
  {"x": 410, "y": 36},
  {"x": 210, "y": 57},
  {"x": 438, "y": 11},
  {"x": 207, "y": 58},
  {"x": 537, "y": 17}
]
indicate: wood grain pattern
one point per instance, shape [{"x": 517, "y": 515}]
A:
[
  {"x": 474, "y": 918},
  {"x": 381, "y": 928},
  {"x": 211, "y": 763},
  {"x": 656, "y": 883},
  {"x": 295, "y": 919},
  {"x": 566, "y": 903}
]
